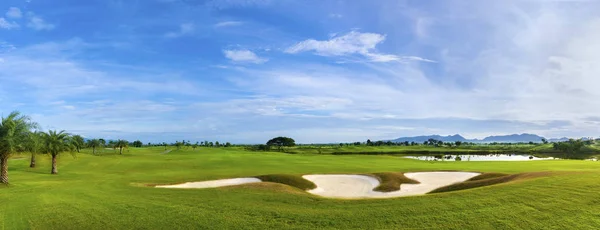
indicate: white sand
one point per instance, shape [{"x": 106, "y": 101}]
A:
[
  {"x": 359, "y": 186},
  {"x": 213, "y": 183}
]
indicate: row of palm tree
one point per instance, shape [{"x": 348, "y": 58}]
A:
[{"x": 18, "y": 133}]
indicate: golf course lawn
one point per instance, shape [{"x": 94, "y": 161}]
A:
[{"x": 109, "y": 192}]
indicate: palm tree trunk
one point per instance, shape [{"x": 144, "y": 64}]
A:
[
  {"x": 54, "y": 168},
  {"x": 32, "y": 164},
  {"x": 4, "y": 170},
  {"x": 121, "y": 150},
  {"x": 94, "y": 150}
]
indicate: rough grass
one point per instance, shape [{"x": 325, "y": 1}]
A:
[
  {"x": 488, "y": 179},
  {"x": 391, "y": 181},
  {"x": 291, "y": 180}
]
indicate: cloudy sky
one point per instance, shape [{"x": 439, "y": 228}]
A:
[{"x": 318, "y": 71}]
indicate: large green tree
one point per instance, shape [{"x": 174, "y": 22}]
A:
[
  {"x": 137, "y": 144},
  {"x": 121, "y": 144},
  {"x": 56, "y": 143},
  {"x": 280, "y": 142},
  {"x": 14, "y": 129}
]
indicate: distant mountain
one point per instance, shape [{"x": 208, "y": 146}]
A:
[
  {"x": 421, "y": 139},
  {"x": 525, "y": 137},
  {"x": 558, "y": 139}
]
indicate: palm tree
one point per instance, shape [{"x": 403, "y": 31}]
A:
[
  {"x": 55, "y": 143},
  {"x": 111, "y": 144},
  {"x": 34, "y": 145},
  {"x": 121, "y": 144},
  {"x": 77, "y": 142},
  {"x": 94, "y": 143},
  {"x": 13, "y": 130}
]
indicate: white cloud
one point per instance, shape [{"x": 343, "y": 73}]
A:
[
  {"x": 228, "y": 23},
  {"x": 184, "y": 29},
  {"x": 332, "y": 15},
  {"x": 14, "y": 12},
  {"x": 348, "y": 44},
  {"x": 4, "y": 24},
  {"x": 243, "y": 56},
  {"x": 37, "y": 23}
]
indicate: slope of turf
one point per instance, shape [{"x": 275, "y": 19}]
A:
[
  {"x": 484, "y": 176},
  {"x": 98, "y": 192},
  {"x": 487, "y": 180},
  {"x": 291, "y": 180},
  {"x": 391, "y": 181}
]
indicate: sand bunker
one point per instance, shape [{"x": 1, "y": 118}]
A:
[
  {"x": 213, "y": 183},
  {"x": 359, "y": 186}
]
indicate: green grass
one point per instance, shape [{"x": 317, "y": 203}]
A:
[
  {"x": 391, "y": 181},
  {"x": 104, "y": 192}
]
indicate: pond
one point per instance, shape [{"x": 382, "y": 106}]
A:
[{"x": 491, "y": 157}]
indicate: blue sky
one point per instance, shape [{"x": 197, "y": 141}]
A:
[{"x": 318, "y": 71}]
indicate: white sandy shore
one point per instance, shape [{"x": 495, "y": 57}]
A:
[
  {"x": 213, "y": 183},
  {"x": 359, "y": 186}
]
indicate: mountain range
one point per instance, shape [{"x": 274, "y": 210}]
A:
[{"x": 513, "y": 138}]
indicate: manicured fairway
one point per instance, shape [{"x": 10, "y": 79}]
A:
[{"x": 108, "y": 192}]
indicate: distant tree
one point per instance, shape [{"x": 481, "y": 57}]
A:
[
  {"x": 121, "y": 144},
  {"x": 217, "y": 144},
  {"x": 137, "y": 144},
  {"x": 369, "y": 143},
  {"x": 78, "y": 142},
  {"x": 194, "y": 146},
  {"x": 569, "y": 147},
  {"x": 102, "y": 142},
  {"x": 531, "y": 143},
  {"x": 56, "y": 143},
  {"x": 544, "y": 141},
  {"x": 211, "y": 144},
  {"x": 227, "y": 144},
  {"x": 458, "y": 143},
  {"x": 281, "y": 142},
  {"x": 94, "y": 143},
  {"x": 33, "y": 144},
  {"x": 426, "y": 143},
  {"x": 178, "y": 145},
  {"x": 165, "y": 144},
  {"x": 111, "y": 144}
]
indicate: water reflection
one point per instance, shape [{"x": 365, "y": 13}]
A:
[{"x": 491, "y": 157}]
